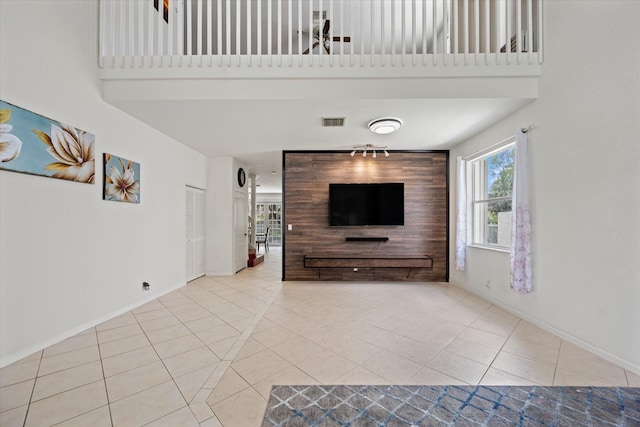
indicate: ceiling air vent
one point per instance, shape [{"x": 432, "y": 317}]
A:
[{"x": 333, "y": 121}]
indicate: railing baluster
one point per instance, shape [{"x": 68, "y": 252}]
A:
[
  {"x": 465, "y": 29},
  {"x": 269, "y": 33},
  {"x": 487, "y": 32},
  {"x": 130, "y": 34},
  {"x": 141, "y": 33},
  {"x": 424, "y": 31},
  {"x": 320, "y": 28},
  {"x": 249, "y": 51},
  {"x": 383, "y": 39},
  {"x": 361, "y": 36},
  {"x": 372, "y": 49},
  {"x": 476, "y": 47},
  {"x": 227, "y": 19},
  {"x": 259, "y": 32},
  {"x": 310, "y": 53},
  {"x": 279, "y": 18},
  {"x": 115, "y": 30},
  {"x": 446, "y": 32},
  {"x": 507, "y": 43},
  {"x": 496, "y": 18},
  {"x": 219, "y": 31},
  {"x": 113, "y": 33},
  {"x": 529, "y": 44},
  {"x": 518, "y": 30},
  {"x": 342, "y": 33},
  {"x": 102, "y": 19},
  {"x": 404, "y": 32},
  {"x": 434, "y": 29},
  {"x": 210, "y": 31},
  {"x": 159, "y": 31},
  {"x": 290, "y": 31},
  {"x": 170, "y": 24},
  {"x": 446, "y": 36},
  {"x": 122, "y": 33},
  {"x": 199, "y": 30},
  {"x": 351, "y": 46},
  {"x": 189, "y": 52},
  {"x": 455, "y": 32},
  {"x": 413, "y": 32},
  {"x": 331, "y": 20},
  {"x": 539, "y": 34},
  {"x": 149, "y": 50},
  {"x": 238, "y": 32},
  {"x": 300, "y": 47},
  {"x": 393, "y": 33}
]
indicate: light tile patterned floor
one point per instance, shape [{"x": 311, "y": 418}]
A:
[{"x": 207, "y": 354}]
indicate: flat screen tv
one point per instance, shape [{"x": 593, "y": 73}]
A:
[{"x": 366, "y": 204}]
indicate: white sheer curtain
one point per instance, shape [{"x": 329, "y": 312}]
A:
[
  {"x": 521, "y": 279},
  {"x": 461, "y": 215}
]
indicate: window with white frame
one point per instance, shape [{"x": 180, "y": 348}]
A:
[{"x": 491, "y": 192}]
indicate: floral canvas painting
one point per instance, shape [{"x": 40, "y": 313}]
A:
[
  {"x": 121, "y": 179},
  {"x": 34, "y": 144}
]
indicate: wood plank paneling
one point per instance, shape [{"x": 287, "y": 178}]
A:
[{"x": 307, "y": 176}]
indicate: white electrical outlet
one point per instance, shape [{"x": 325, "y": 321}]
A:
[{"x": 289, "y": 227}]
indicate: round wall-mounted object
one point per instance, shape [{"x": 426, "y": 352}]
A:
[
  {"x": 385, "y": 125},
  {"x": 242, "y": 177}
]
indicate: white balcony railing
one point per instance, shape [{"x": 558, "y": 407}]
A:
[{"x": 289, "y": 33}]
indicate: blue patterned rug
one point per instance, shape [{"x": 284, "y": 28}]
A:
[{"x": 359, "y": 406}]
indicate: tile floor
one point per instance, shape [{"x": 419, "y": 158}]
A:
[{"x": 207, "y": 354}]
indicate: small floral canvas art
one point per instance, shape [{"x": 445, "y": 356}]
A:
[
  {"x": 121, "y": 179},
  {"x": 34, "y": 144}
]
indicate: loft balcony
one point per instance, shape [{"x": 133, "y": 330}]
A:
[
  {"x": 328, "y": 39},
  {"x": 195, "y": 69}
]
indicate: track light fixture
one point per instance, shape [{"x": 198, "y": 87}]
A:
[{"x": 369, "y": 147}]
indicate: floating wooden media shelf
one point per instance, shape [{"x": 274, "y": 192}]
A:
[
  {"x": 321, "y": 262},
  {"x": 367, "y": 239}
]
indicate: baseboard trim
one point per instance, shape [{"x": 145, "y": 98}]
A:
[
  {"x": 552, "y": 329},
  {"x": 219, "y": 273},
  {"x": 11, "y": 358}
]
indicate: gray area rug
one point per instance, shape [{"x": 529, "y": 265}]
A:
[{"x": 352, "y": 405}]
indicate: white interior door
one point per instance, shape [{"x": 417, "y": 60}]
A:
[
  {"x": 240, "y": 226},
  {"x": 194, "y": 208}
]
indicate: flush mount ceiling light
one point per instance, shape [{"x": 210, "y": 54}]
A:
[
  {"x": 385, "y": 125},
  {"x": 370, "y": 147}
]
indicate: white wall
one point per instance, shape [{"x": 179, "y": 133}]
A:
[
  {"x": 268, "y": 197},
  {"x": 67, "y": 258},
  {"x": 584, "y": 156},
  {"x": 219, "y": 217}
]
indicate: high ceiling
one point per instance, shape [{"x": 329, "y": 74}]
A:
[
  {"x": 255, "y": 111},
  {"x": 257, "y": 131}
]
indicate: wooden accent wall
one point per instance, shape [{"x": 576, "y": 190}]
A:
[{"x": 307, "y": 176}]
